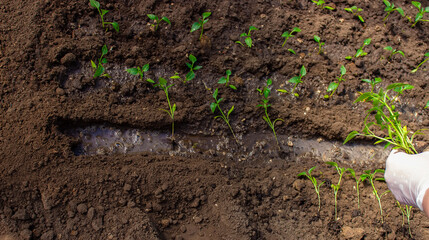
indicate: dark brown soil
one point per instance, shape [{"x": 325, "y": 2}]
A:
[{"x": 47, "y": 89}]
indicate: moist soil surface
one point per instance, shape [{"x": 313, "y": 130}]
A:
[{"x": 53, "y": 187}]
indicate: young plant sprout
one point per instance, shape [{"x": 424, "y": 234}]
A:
[
  {"x": 371, "y": 178},
  {"x": 265, "y": 92},
  {"x": 225, "y": 80},
  {"x": 140, "y": 71},
  {"x": 386, "y": 118},
  {"x": 417, "y": 68},
  {"x": 103, "y": 12},
  {"x": 215, "y": 105},
  {"x": 172, "y": 109},
  {"x": 419, "y": 15},
  {"x": 406, "y": 211},
  {"x": 288, "y": 35},
  {"x": 295, "y": 80},
  {"x": 393, "y": 51},
  {"x": 372, "y": 82},
  {"x": 427, "y": 105},
  {"x": 358, "y": 180},
  {"x": 191, "y": 73},
  {"x": 321, "y": 44},
  {"x": 334, "y": 85},
  {"x": 336, "y": 187},
  {"x": 314, "y": 181},
  {"x": 320, "y": 3},
  {"x": 360, "y": 52},
  {"x": 98, "y": 68},
  {"x": 248, "y": 39},
  {"x": 157, "y": 21},
  {"x": 200, "y": 23},
  {"x": 390, "y": 7},
  {"x": 355, "y": 10}
]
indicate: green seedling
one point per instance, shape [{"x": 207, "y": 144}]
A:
[
  {"x": 200, "y": 23},
  {"x": 288, "y": 35},
  {"x": 420, "y": 14},
  {"x": 371, "y": 178},
  {"x": 295, "y": 80},
  {"x": 417, "y": 68},
  {"x": 98, "y": 68},
  {"x": 139, "y": 71},
  {"x": 393, "y": 51},
  {"x": 321, "y": 3},
  {"x": 334, "y": 85},
  {"x": 103, "y": 12},
  {"x": 265, "y": 92},
  {"x": 191, "y": 74},
  {"x": 157, "y": 21},
  {"x": 358, "y": 180},
  {"x": 225, "y": 80},
  {"x": 386, "y": 118},
  {"x": 162, "y": 83},
  {"x": 372, "y": 82},
  {"x": 355, "y": 10},
  {"x": 314, "y": 181},
  {"x": 248, "y": 39},
  {"x": 215, "y": 105},
  {"x": 360, "y": 52},
  {"x": 406, "y": 211},
  {"x": 427, "y": 105},
  {"x": 321, "y": 44},
  {"x": 336, "y": 187},
  {"x": 390, "y": 7}
]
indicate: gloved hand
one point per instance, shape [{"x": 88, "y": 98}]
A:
[{"x": 407, "y": 176}]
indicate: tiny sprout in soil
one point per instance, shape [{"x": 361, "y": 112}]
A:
[
  {"x": 192, "y": 68},
  {"x": 288, "y": 35},
  {"x": 406, "y": 211},
  {"x": 360, "y": 52},
  {"x": 420, "y": 14},
  {"x": 321, "y": 3},
  {"x": 358, "y": 180},
  {"x": 371, "y": 178},
  {"x": 321, "y": 44},
  {"x": 157, "y": 21},
  {"x": 354, "y": 10},
  {"x": 386, "y": 118},
  {"x": 200, "y": 23},
  {"x": 103, "y": 12},
  {"x": 314, "y": 181},
  {"x": 215, "y": 105},
  {"x": 334, "y": 85},
  {"x": 225, "y": 80},
  {"x": 390, "y": 7},
  {"x": 248, "y": 39},
  {"x": 163, "y": 85},
  {"x": 336, "y": 187},
  {"x": 98, "y": 68},
  {"x": 265, "y": 92},
  {"x": 295, "y": 80},
  {"x": 140, "y": 71},
  {"x": 417, "y": 68},
  {"x": 393, "y": 52},
  {"x": 372, "y": 82}
]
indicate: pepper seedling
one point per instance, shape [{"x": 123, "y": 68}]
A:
[
  {"x": 248, "y": 39},
  {"x": 373, "y": 82},
  {"x": 140, "y": 72},
  {"x": 98, "y": 68},
  {"x": 321, "y": 44},
  {"x": 225, "y": 80},
  {"x": 420, "y": 14},
  {"x": 417, "y": 68},
  {"x": 336, "y": 187},
  {"x": 355, "y": 10},
  {"x": 371, "y": 178},
  {"x": 390, "y": 7},
  {"x": 200, "y": 23},
  {"x": 320, "y": 3},
  {"x": 360, "y": 52},
  {"x": 103, "y": 12},
  {"x": 295, "y": 80},
  {"x": 191, "y": 74},
  {"x": 265, "y": 92},
  {"x": 406, "y": 211},
  {"x": 162, "y": 83},
  {"x": 157, "y": 20},
  {"x": 288, "y": 35},
  {"x": 334, "y": 85},
  {"x": 314, "y": 181},
  {"x": 358, "y": 180},
  {"x": 215, "y": 105},
  {"x": 393, "y": 52}
]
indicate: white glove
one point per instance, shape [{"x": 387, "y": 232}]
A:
[{"x": 407, "y": 176}]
